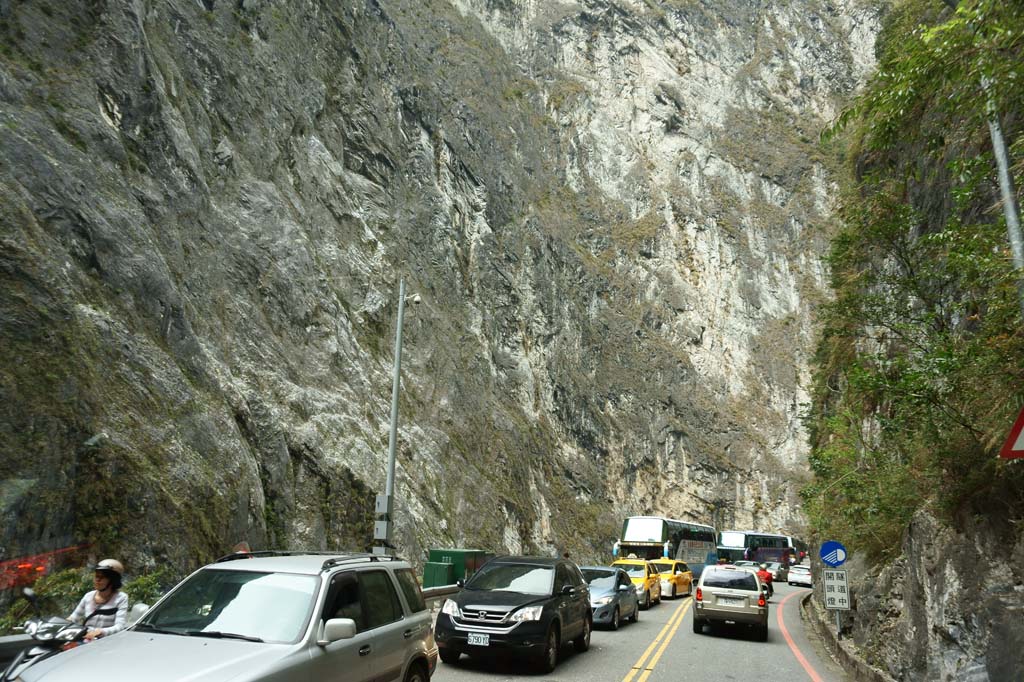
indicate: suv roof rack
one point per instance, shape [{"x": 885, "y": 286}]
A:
[{"x": 336, "y": 558}]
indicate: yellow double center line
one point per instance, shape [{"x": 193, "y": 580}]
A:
[{"x": 647, "y": 662}]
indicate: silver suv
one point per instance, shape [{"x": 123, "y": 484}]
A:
[
  {"x": 270, "y": 617},
  {"x": 730, "y": 594}
]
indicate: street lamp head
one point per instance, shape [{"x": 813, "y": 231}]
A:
[{"x": 415, "y": 299}]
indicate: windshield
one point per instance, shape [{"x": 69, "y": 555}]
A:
[
  {"x": 663, "y": 568},
  {"x": 525, "y": 578},
  {"x": 732, "y": 538},
  {"x": 641, "y": 529},
  {"x": 599, "y": 580},
  {"x": 269, "y": 607},
  {"x": 634, "y": 570},
  {"x": 736, "y": 580}
]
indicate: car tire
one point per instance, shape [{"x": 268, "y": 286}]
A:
[
  {"x": 762, "y": 633},
  {"x": 636, "y": 613},
  {"x": 417, "y": 673},
  {"x": 673, "y": 593},
  {"x": 548, "y": 659},
  {"x": 615, "y": 619},
  {"x": 698, "y": 626},
  {"x": 582, "y": 643},
  {"x": 449, "y": 656},
  {"x": 647, "y": 600}
]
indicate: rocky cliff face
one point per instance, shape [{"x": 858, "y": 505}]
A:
[
  {"x": 614, "y": 212},
  {"x": 949, "y": 608}
]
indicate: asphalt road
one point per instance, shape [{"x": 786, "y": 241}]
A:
[{"x": 662, "y": 647}]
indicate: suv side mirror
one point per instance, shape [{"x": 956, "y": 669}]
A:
[
  {"x": 335, "y": 629},
  {"x": 626, "y": 588}
]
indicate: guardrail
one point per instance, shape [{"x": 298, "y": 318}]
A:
[
  {"x": 435, "y": 595},
  {"x": 10, "y": 646}
]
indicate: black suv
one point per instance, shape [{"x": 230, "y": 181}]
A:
[{"x": 517, "y": 604}]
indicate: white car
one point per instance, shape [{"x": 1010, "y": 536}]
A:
[{"x": 800, "y": 575}]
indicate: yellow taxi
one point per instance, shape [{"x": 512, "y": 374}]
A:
[
  {"x": 676, "y": 577},
  {"x": 645, "y": 579}
]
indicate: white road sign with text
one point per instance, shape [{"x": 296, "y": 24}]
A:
[{"x": 837, "y": 594}]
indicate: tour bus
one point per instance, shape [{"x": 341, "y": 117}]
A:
[
  {"x": 734, "y": 545},
  {"x": 654, "y": 537}
]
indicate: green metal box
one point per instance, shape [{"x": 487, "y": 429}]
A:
[
  {"x": 464, "y": 562},
  {"x": 437, "y": 574}
]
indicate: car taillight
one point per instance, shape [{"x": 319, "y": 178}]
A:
[
  {"x": 761, "y": 601},
  {"x": 700, "y": 595}
]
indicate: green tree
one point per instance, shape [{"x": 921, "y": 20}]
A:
[{"x": 919, "y": 366}]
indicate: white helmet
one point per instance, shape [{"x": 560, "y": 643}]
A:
[
  {"x": 764, "y": 566},
  {"x": 110, "y": 565}
]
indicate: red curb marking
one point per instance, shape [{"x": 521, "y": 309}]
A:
[{"x": 789, "y": 640}]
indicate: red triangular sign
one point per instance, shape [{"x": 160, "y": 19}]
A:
[{"x": 1014, "y": 446}]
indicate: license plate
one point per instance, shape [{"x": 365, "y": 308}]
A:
[
  {"x": 479, "y": 639},
  {"x": 726, "y": 601}
]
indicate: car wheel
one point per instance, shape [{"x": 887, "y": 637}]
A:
[
  {"x": 417, "y": 673},
  {"x": 647, "y": 600},
  {"x": 549, "y": 657},
  {"x": 582, "y": 643},
  {"x": 615, "y": 618},
  {"x": 698, "y": 626},
  {"x": 636, "y": 613},
  {"x": 673, "y": 592},
  {"x": 762, "y": 633},
  {"x": 449, "y": 656}
]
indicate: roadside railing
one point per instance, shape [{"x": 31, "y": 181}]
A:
[{"x": 435, "y": 595}]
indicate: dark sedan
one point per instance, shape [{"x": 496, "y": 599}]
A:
[
  {"x": 612, "y": 595},
  {"x": 517, "y": 604}
]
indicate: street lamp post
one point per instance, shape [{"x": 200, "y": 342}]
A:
[{"x": 383, "y": 527}]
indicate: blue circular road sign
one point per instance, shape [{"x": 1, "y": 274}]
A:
[{"x": 832, "y": 553}]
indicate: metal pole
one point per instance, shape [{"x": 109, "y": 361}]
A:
[
  {"x": 389, "y": 488},
  {"x": 839, "y": 629},
  {"x": 1006, "y": 188},
  {"x": 1008, "y": 192}
]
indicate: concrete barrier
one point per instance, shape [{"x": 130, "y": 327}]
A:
[
  {"x": 843, "y": 651},
  {"x": 10, "y": 646}
]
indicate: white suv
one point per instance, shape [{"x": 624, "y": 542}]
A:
[{"x": 270, "y": 617}]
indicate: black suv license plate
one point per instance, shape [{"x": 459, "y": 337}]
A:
[{"x": 479, "y": 639}]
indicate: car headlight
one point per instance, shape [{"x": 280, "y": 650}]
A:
[
  {"x": 527, "y": 614},
  {"x": 639, "y": 589},
  {"x": 450, "y": 608},
  {"x": 601, "y": 601}
]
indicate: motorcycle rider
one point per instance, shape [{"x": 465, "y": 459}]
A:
[
  {"x": 766, "y": 577},
  {"x": 105, "y": 607}
]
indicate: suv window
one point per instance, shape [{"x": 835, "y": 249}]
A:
[
  {"x": 379, "y": 599},
  {"x": 562, "y": 578},
  {"x": 411, "y": 590},
  {"x": 734, "y": 580}
]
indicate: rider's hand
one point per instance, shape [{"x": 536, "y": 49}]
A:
[{"x": 93, "y": 634}]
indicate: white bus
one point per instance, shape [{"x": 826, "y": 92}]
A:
[
  {"x": 734, "y": 545},
  {"x": 654, "y": 537}
]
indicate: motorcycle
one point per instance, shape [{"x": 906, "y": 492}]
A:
[{"x": 51, "y": 636}]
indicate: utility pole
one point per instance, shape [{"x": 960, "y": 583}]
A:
[{"x": 383, "y": 527}]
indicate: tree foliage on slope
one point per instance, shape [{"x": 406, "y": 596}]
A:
[{"x": 920, "y": 368}]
